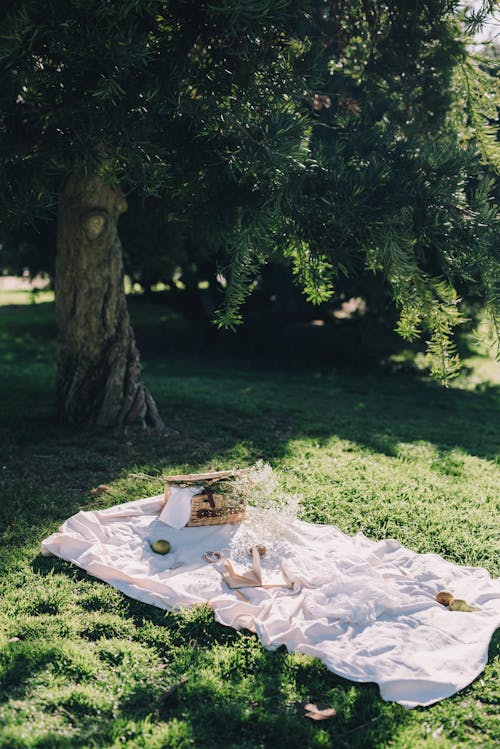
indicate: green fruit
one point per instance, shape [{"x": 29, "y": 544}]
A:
[
  {"x": 458, "y": 604},
  {"x": 161, "y": 546}
]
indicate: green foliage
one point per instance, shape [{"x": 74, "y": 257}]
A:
[
  {"x": 480, "y": 89},
  {"x": 243, "y": 268},
  {"x": 314, "y": 272},
  {"x": 340, "y": 136}
]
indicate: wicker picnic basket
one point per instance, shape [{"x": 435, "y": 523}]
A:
[{"x": 219, "y": 501}]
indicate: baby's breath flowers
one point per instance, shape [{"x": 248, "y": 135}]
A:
[{"x": 270, "y": 511}]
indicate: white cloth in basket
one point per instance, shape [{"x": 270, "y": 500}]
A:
[{"x": 177, "y": 510}]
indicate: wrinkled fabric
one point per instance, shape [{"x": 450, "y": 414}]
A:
[{"x": 366, "y": 609}]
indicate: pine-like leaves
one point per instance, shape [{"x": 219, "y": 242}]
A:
[{"x": 344, "y": 137}]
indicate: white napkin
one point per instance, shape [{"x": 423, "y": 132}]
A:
[{"x": 178, "y": 508}]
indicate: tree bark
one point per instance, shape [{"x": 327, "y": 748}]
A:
[{"x": 99, "y": 372}]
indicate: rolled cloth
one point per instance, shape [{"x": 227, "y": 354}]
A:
[{"x": 367, "y": 609}]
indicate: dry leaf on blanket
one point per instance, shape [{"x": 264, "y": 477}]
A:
[
  {"x": 316, "y": 710},
  {"x": 100, "y": 490}
]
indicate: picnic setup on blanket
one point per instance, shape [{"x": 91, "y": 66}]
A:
[{"x": 372, "y": 611}]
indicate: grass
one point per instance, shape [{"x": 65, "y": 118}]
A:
[{"x": 389, "y": 455}]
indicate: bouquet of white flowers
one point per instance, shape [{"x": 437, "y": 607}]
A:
[{"x": 269, "y": 513}]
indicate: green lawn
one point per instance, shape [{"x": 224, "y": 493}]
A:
[{"x": 386, "y": 454}]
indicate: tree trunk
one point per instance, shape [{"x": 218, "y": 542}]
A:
[{"x": 99, "y": 372}]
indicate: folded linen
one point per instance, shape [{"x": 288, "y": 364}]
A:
[{"x": 178, "y": 508}]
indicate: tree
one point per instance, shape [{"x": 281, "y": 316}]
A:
[
  {"x": 401, "y": 174},
  {"x": 99, "y": 98},
  {"x": 345, "y": 136}
]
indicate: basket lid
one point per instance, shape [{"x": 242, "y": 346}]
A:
[{"x": 209, "y": 476}]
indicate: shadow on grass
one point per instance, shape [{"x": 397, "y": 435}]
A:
[
  {"x": 219, "y": 413},
  {"x": 237, "y": 694},
  {"x": 213, "y": 403},
  {"x": 361, "y": 720},
  {"x": 220, "y": 417},
  {"x": 268, "y": 408}
]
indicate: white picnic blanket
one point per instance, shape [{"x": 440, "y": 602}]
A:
[{"x": 366, "y": 609}]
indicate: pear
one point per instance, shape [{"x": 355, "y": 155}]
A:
[
  {"x": 454, "y": 604},
  {"x": 162, "y": 546},
  {"x": 458, "y": 604}
]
